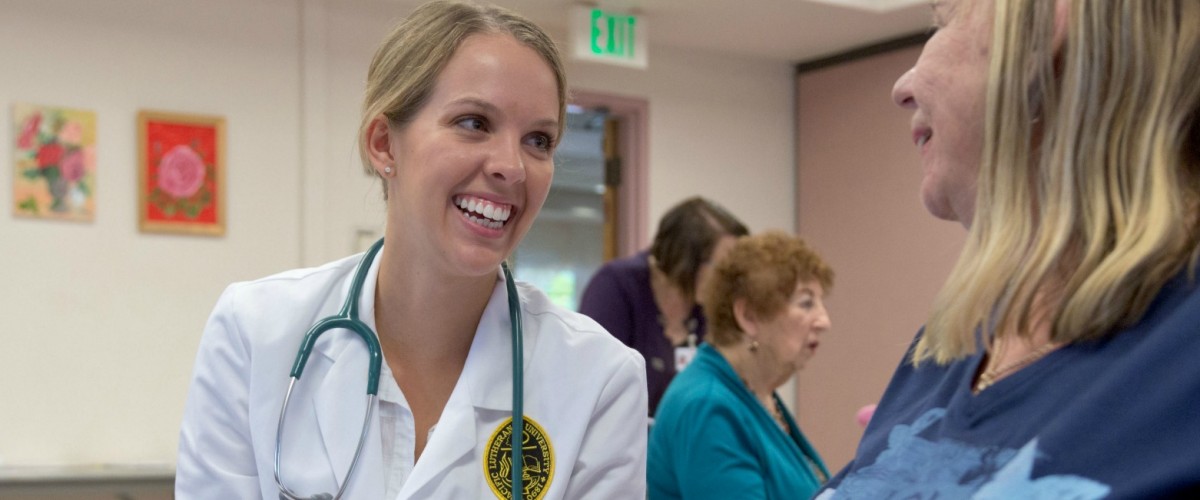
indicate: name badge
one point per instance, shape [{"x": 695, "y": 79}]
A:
[{"x": 683, "y": 356}]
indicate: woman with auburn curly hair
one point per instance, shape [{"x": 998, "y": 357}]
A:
[{"x": 721, "y": 431}]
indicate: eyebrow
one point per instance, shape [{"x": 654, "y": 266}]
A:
[
  {"x": 491, "y": 108},
  {"x": 479, "y": 103}
]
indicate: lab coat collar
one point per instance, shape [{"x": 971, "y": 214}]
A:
[
  {"x": 454, "y": 437},
  {"x": 485, "y": 383},
  {"x": 488, "y": 370},
  {"x": 340, "y": 402}
]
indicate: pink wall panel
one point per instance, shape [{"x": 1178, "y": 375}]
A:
[{"x": 858, "y": 177}]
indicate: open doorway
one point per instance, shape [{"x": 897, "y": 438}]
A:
[{"x": 596, "y": 203}]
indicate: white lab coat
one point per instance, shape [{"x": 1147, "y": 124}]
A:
[{"x": 585, "y": 388}]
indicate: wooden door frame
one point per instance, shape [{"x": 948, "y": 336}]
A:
[{"x": 632, "y": 112}]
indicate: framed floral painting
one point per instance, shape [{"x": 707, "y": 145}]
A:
[
  {"x": 55, "y": 163},
  {"x": 181, "y": 181}
]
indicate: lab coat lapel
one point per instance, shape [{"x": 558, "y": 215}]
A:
[
  {"x": 340, "y": 405},
  {"x": 484, "y": 383},
  {"x": 340, "y": 402},
  {"x": 489, "y": 364},
  {"x": 452, "y": 439}
]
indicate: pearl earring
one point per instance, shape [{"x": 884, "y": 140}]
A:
[
  {"x": 753, "y": 346},
  {"x": 387, "y": 170}
]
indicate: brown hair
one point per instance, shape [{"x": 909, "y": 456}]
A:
[
  {"x": 686, "y": 237},
  {"x": 763, "y": 270}
]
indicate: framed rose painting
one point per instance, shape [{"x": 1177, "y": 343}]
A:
[
  {"x": 55, "y": 162},
  {"x": 181, "y": 181}
]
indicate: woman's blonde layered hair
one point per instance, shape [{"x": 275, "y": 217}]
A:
[
  {"x": 1087, "y": 200},
  {"x": 406, "y": 65}
]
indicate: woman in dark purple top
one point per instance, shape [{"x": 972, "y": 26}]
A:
[{"x": 649, "y": 300}]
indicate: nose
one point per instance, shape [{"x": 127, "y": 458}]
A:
[
  {"x": 902, "y": 91},
  {"x": 505, "y": 162},
  {"x": 822, "y": 324}
]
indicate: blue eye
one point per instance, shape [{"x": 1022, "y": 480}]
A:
[
  {"x": 541, "y": 141},
  {"x": 472, "y": 123}
]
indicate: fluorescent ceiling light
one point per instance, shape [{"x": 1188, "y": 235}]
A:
[{"x": 878, "y": 6}]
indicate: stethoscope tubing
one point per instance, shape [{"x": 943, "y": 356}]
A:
[
  {"x": 518, "y": 383},
  {"x": 347, "y": 318}
]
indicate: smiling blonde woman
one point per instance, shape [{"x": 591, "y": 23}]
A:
[
  {"x": 1060, "y": 358},
  {"x": 463, "y": 110}
]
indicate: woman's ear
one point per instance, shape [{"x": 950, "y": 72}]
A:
[
  {"x": 746, "y": 319},
  {"x": 379, "y": 145}
]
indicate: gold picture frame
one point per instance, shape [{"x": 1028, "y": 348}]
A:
[{"x": 181, "y": 173}]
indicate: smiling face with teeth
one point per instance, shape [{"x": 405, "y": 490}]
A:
[
  {"x": 946, "y": 90},
  {"x": 474, "y": 164},
  {"x": 483, "y": 212}
]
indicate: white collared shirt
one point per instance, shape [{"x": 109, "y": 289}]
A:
[{"x": 398, "y": 430}]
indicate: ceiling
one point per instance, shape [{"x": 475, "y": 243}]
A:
[{"x": 792, "y": 31}]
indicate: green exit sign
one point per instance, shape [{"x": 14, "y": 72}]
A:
[
  {"x": 609, "y": 37},
  {"x": 613, "y": 35}
]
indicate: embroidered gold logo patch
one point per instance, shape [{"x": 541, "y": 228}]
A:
[{"x": 536, "y": 452}]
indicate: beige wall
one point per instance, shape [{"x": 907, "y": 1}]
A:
[
  {"x": 101, "y": 322},
  {"x": 858, "y": 205}
]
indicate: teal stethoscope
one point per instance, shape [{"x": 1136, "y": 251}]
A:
[{"x": 347, "y": 319}]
